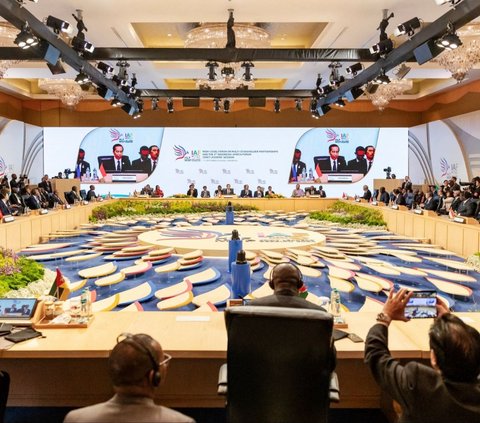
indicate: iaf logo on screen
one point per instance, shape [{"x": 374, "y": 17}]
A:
[
  {"x": 332, "y": 136},
  {"x": 188, "y": 156}
]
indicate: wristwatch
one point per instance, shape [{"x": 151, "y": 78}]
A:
[{"x": 384, "y": 318}]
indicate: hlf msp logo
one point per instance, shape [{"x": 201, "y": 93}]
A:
[
  {"x": 332, "y": 136},
  {"x": 186, "y": 155},
  {"x": 119, "y": 137}
]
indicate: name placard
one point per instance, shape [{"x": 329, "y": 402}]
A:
[
  {"x": 418, "y": 211},
  {"x": 374, "y": 203},
  {"x": 43, "y": 211},
  {"x": 394, "y": 207},
  {"x": 458, "y": 219},
  {"x": 8, "y": 218}
]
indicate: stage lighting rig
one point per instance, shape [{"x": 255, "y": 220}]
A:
[
  {"x": 247, "y": 76},
  {"x": 298, "y": 104},
  {"x": 276, "y": 106},
  {"x": 104, "y": 67},
  {"x": 81, "y": 45},
  {"x": 382, "y": 48},
  {"x": 335, "y": 78},
  {"x": 226, "y": 105},
  {"x": 25, "y": 39},
  {"x": 170, "y": 108},
  {"x": 58, "y": 25},
  {"x": 216, "y": 104},
  {"x": 450, "y": 40},
  {"x": 354, "y": 69},
  {"x": 408, "y": 28},
  {"x": 154, "y": 103},
  {"x": 212, "y": 75}
]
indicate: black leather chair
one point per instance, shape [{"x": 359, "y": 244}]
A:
[
  {"x": 4, "y": 390},
  {"x": 279, "y": 365},
  {"x": 69, "y": 197}
]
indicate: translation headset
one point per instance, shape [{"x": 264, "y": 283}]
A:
[
  {"x": 299, "y": 273},
  {"x": 140, "y": 343}
]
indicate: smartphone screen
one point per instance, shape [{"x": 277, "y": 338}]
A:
[{"x": 422, "y": 304}]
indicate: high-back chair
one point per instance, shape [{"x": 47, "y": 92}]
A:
[{"x": 279, "y": 364}]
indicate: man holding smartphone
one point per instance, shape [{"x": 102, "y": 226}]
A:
[{"x": 449, "y": 391}]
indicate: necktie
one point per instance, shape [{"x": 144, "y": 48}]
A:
[
  {"x": 369, "y": 165},
  {"x": 154, "y": 165},
  {"x": 334, "y": 166},
  {"x": 118, "y": 165}
]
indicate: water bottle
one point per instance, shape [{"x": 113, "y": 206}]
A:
[
  {"x": 88, "y": 174},
  {"x": 304, "y": 174},
  {"x": 84, "y": 305},
  {"x": 241, "y": 285},
  {"x": 229, "y": 214},
  {"x": 310, "y": 174},
  {"x": 234, "y": 246},
  {"x": 335, "y": 304},
  {"x": 95, "y": 175}
]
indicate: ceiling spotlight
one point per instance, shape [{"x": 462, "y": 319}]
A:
[
  {"x": 216, "y": 104},
  {"x": 154, "y": 103},
  {"x": 450, "y": 40},
  {"x": 140, "y": 105},
  {"x": 212, "y": 75},
  {"x": 354, "y": 69},
  {"x": 170, "y": 108},
  {"x": 318, "y": 83},
  {"x": 442, "y": 2},
  {"x": 313, "y": 106},
  {"x": 82, "y": 78},
  {"x": 82, "y": 45},
  {"x": 382, "y": 79},
  {"x": 383, "y": 47},
  {"x": 136, "y": 115},
  {"x": 340, "y": 103},
  {"x": 247, "y": 76},
  {"x": 104, "y": 67},
  {"x": 276, "y": 106},
  {"x": 298, "y": 104},
  {"x": 116, "y": 103},
  {"x": 25, "y": 39},
  {"x": 335, "y": 78},
  {"x": 323, "y": 91},
  {"x": 59, "y": 26},
  {"x": 226, "y": 105},
  {"x": 228, "y": 72},
  {"x": 408, "y": 27}
]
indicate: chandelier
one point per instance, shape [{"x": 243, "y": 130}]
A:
[
  {"x": 8, "y": 33},
  {"x": 67, "y": 90},
  {"x": 387, "y": 92},
  {"x": 459, "y": 61},
  {"x": 215, "y": 36}
]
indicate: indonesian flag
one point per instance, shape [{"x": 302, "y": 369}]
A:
[
  {"x": 451, "y": 214},
  {"x": 102, "y": 170},
  {"x": 371, "y": 199},
  {"x": 59, "y": 279},
  {"x": 318, "y": 170},
  {"x": 344, "y": 196}
]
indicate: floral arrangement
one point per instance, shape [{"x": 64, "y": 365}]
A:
[
  {"x": 345, "y": 213},
  {"x": 274, "y": 196},
  {"x": 17, "y": 272}
]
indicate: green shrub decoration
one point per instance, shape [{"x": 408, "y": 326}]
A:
[
  {"x": 149, "y": 207},
  {"x": 17, "y": 272},
  {"x": 346, "y": 213}
]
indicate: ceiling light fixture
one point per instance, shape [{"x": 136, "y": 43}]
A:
[
  {"x": 154, "y": 103},
  {"x": 170, "y": 108},
  {"x": 216, "y": 104},
  {"x": 450, "y": 40},
  {"x": 81, "y": 45},
  {"x": 247, "y": 76},
  {"x": 82, "y": 78},
  {"x": 340, "y": 103},
  {"x": 212, "y": 75},
  {"x": 335, "y": 78},
  {"x": 354, "y": 69},
  {"x": 298, "y": 104},
  {"x": 226, "y": 105},
  {"x": 408, "y": 28},
  {"x": 8, "y": 34},
  {"x": 381, "y": 78},
  {"x": 58, "y": 25},
  {"x": 104, "y": 67},
  {"x": 276, "y": 106},
  {"x": 116, "y": 103},
  {"x": 382, "y": 48},
  {"x": 25, "y": 39},
  {"x": 68, "y": 91},
  {"x": 382, "y": 96}
]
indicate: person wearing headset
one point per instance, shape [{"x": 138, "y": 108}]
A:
[{"x": 137, "y": 365}]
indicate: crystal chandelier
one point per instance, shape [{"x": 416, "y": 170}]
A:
[
  {"x": 67, "y": 90},
  {"x": 459, "y": 61},
  {"x": 215, "y": 36},
  {"x": 387, "y": 92},
  {"x": 8, "y": 34}
]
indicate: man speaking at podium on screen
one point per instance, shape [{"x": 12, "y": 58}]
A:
[
  {"x": 332, "y": 164},
  {"x": 117, "y": 163}
]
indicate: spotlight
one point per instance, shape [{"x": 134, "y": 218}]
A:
[
  {"x": 82, "y": 78},
  {"x": 318, "y": 83},
  {"x": 104, "y": 67},
  {"x": 276, "y": 106},
  {"x": 354, "y": 69},
  {"x": 25, "y": 39},
  {"x": 59, "y": 26},
  {"x": 383, "y": 47},
  {"x": 212, "y": 75},
  {"x": 340, "y": 103},
  {"x": 313, "y": 106},
  {"x": 335, "y": 78},
  {"x": 170, "y": 108},
  {"x": 136, "y": 115},
  {"x": 133, "y": 82},
  {"x": 408, "y": 27},
  {"x": 119, "y": 81},
  {"x": 82, "y": 45},
  {"x": 442, "y": 2},
  {"x": 449, "y": 41},
  {"x": 116, "y": 103},
  {"x": 216, "y": 104},
  {"x": 140, "y": 105},
  {"x": 154, "y": 103},
  {"x": 226, "y": 105},
  {"x": 326, "y": 89},
  {"x": 247, "y": 76},
  {"x": 382, "y": 79},
  {"x": 298, "y": 104},
  {"x": 228, "y": 72}
]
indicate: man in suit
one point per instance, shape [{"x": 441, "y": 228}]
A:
[
  {"x": 219, "y": 191},
  {"x": 468, "y": 206},
  {"x": 258, "y": 193},
  {"x": 81, "y": 166},
  {"x": 5, "y": 204},
  {"x": 142, "y": 164},
  {"x": 16, "y": 200},
  {"x": 298, "y": 167},
  {"x": 205, "y": 192},
  {"x": 311, "y": 191},
  {"x": 321, "y": 192},
  {"x": 367, "y": 194},
  {"x": 119, "y": 162},
  {"x": 46, "y": 184},
  {"x": 34, "y": 201},
  {"x": 369, "y": 155},
  {"x": 246, "y": 192},
  {"x": 228, "y": 190},
  {"x": 91, "y": 195},
  {"x": 154, "y": 152},
  {"x": 450, "y": 388},
  {"x": 333, "y": 164},
  {"x": 359, "y": 164},
  {"x": 431, "y": 203},
  {"x": 137, "y": 365},
  {"x": 192, "y": 191}
]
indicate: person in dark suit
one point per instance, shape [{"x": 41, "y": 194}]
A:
[
  {"x": 192, "y": 191},
  {"x": 5, "y": 204},
  {"x": 91, "y": 195},
  {"x": 321, "y": 192},
  {"x": 46, "y": 184},
  {"x": 369, "y": 156},
  {"x": 34, "y": 201},
  {"x": 119, "y": 162},
  {"x": 407, "y": 183},
  {"x": 367, "y": 194},
  {"x": 399, "y": 198},
  {"x": 142, "y": 164},
  {"x": 359, "y": 164},
  {"x": 384, "y": 196},
  {"x": 332, "y": 164},
  {"x": 218, "y": 192},
  {"x": 17, "y": 201},
  {"x": 311, "y": 191},
  {"x": 81, "y": 166},
  {"x": 246, "y": 192},
  {"x": 154, "y": 152},
  {"x": 431, "y": 203},
  {"x": 450, "y": 387},
  {"x": 468, "y": 206},
  {"x": 205, "y": 193},
  {"x": 298, "y": 167},
  {"x": 269, "y": 191},
  {"x": 258, "y": 193},
  {"x": 228, "y": 190}
]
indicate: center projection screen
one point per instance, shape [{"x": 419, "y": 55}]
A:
[{"x": 121, "y": 160}]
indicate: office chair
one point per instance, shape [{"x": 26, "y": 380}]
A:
[
  {"x": 83, "y": 194},
  {"x": 4, "y": 389},
  {"x": 279, "y": 365},
  {"x": 68, "y": 197}
]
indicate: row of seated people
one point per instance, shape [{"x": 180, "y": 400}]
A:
[{"x": 246, "y": 192}]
